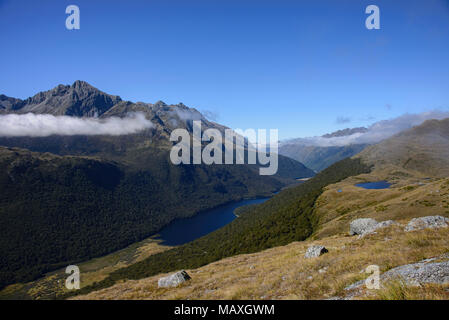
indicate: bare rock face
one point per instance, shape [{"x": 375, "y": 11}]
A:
[
  {"x": 173, "y": 280},
  {"x": 361, "y": 226},
  {"x": 431, "y": 222},
  {"x": 315, "y": 251}
]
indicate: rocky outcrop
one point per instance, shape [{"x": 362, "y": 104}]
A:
[
  {"x": 434, "y": 270},
  {"x": 315, "y": 251},
  {"x": 367, "y": 226},
  {"x": 429, "y": 222},
  {"x": 173, "y": 280},
  {"x": 361, "y": 226}
]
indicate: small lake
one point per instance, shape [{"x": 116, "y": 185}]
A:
[
  {"x": 374, "y": 185},
  {"x": 185, "y": 230}
]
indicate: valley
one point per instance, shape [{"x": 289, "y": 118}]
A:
[
  {"x": 283, "y": 273},
  {"x": 412, "y": 194}
]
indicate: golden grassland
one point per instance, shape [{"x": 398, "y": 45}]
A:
[
  {"x": 408, "y": 197},
  {"x": 284, "y": 273}
]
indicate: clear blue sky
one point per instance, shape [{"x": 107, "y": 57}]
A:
[{"x": 304, "y": 67}]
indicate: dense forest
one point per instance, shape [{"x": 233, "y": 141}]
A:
[
  {"x": 58, "y": 210},
  {"x": 288, "y": 216}
]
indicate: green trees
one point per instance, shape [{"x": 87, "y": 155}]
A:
[{"x": 56, "y": 210}]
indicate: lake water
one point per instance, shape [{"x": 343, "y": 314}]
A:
[
  {"x": 374, "y": 185},
  {"x": 185, "y": 230}
]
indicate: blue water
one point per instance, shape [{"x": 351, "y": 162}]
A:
[
  {"x": 185, "y": 230},
  {"x": 374, "y": 185}
]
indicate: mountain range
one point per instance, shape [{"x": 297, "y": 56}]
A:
[
  {"x": 319, "y": 157},
  {"x": 67, "y": 198}
]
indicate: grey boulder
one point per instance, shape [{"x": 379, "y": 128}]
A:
[
  {"x": 431, "y": 222},
  {"x": 173, "y": 280},
  {"x": 361, "y": 226},
  {"x": 315, "y": 251},
  {"x": 427, "y": 271}
]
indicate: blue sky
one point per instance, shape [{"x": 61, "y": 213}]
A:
[{"x": 304, "y": 67}]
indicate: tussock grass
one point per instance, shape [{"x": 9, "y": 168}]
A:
[
  {"x": 398, "y": 290},
  {"x": 284, "y": 273}
]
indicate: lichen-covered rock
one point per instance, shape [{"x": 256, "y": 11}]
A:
[
  {"x": 315, "y": 251},
  {"x": 380, "y": 225},
  {"x": 361, "y": 226},
  {"x": 173, "y": 280},
  {"x": 418, "y": 273},
  {"x": 431, "y": 222},
  {"x": 434, "y": 270}
]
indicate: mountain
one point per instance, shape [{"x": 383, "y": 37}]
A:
[
  {"x": 80, "y": 99},
  {"x": 83, "y": 100},
  {"x": 319, "y": 157},
  {"x": 65, "y": 199},
  {"x": 424, "y": 149}
]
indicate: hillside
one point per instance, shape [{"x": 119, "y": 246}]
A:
[
  {"x": 60, "y": 209},
  {"x": 319, "y": 158},
  {"x": 423, "y": 149},
  {"x": 286, "y": 217},
  {"x": 282, "y": 272}
]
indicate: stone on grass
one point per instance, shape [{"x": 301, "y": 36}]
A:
[
  {"x": 315, "y": 251},
  {"x": 429, "y": 222},
  {"x": 173, "y": 280},
  {"x": 361, "y": 226}
]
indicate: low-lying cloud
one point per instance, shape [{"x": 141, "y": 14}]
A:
[
  {"x": 377, "y": 132},
  {"x": 43, "y": 125}
]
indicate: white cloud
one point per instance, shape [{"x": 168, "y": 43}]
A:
[
  {"x": 186, "y": 114},
  {"x": 42, "y": 125},
  {"x": 376, "y": 132}
]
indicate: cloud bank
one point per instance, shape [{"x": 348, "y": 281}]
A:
[
  {"x": 376, "y": 132},
  {"x": 43, "y": 125}
]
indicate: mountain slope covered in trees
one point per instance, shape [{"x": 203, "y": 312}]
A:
[{"x": 71, "y": 198}]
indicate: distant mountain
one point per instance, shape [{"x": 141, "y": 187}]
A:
[
  {"x": 345, "y": 132},
  {"x": 80, "y": 99},
  {"x": 70, "y": 198},
  {"x": 423, "y": 149},
  {"x": 320, "y": 157}
]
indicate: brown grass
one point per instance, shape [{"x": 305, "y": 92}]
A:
[{"x": 284, "y": 273}]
